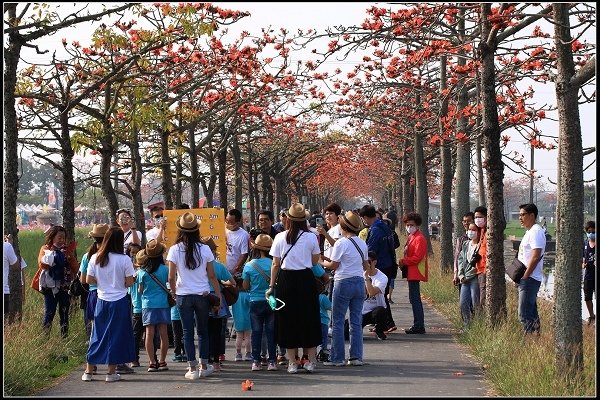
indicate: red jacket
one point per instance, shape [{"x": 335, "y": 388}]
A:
[{"x": 415, "y": 257}]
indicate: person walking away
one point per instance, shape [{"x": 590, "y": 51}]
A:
[
  {"x": 531, "y": 253},
  {"x": 349, "y": 261},
  {"x": 112, "y": 339},
  {"x": 298, "y": 323},
  {"x": 415, "y": 258},
  {"x": 190, "y": 271},
  {"x": 467, "y": 274},
  {"x": 589, "y": 265}
]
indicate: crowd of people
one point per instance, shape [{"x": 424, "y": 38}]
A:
[{"x": 302, "y": 281}]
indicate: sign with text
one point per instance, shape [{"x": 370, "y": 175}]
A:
[{"x": 212, "y": 223}]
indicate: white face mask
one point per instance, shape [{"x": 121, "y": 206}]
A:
[
  {"x": 411, "y": 229},
  {"x": 471, "y": 234},
  {"x": 480, "y": 222}
]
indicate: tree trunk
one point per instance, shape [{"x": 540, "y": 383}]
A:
[
  {"x": 167, "y": 176},
  {"x": 222, "y": 157},
  {"x": 194, "y": 178},
  {"x": 238, "y": 174},
  {"x": 446, "y": 252},
  {"x": 421, "y": 184},
  {"x": 136, "y": 178},
  {"x": 568, "y": 338},
  {"x": 408, "y": 200},
  {"x": 495, "y": 303}
]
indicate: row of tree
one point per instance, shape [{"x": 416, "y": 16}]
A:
[{"x": 169, "y": 93}]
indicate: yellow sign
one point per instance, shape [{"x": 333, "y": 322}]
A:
[{"x": 212, "y": 223}]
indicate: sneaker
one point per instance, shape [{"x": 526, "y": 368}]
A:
[
  {"x": 334, "y": 363},
  {"x": 263, "y": 360},
  {"x": 248, "y": 357},
  {"x": 153, "y": 368},
  {"x": 239, "y": 357},
  {"x": 281, "y": 360},
  {"x": 380, "y": 335},
  {"x": 323, "y": 355},
  {"x": 309, "y": 367},
  {"x": 256, "y": 366},
  {"x": 134, "y": 364},
  {"x": 162, "y": 366},
  {"x": 87, "y": 377},
  {"x": 208, "y": 371},
  {"x": 177, "y": 358},
  {"x": 415, "y": 330},
  {"x": 292, "y": 367},
  {"x": 355, "y": 362},
  {"x": 192, "y": 374},
  {"x": 112, "y": 377},
  {"x": 124, "y": 369},
  {"x": 272, "y": 367}
]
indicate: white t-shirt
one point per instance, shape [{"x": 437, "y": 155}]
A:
[
  {"x": 111, "y": 278},
  {"x": 351, "y": 261},
  {"x": 190, "y": 281},
  {"x": 237, "y": 244},
  {"x": 379, "y": 280},
  {"x": 9, "y": 257},
  {"x": 300, "y": 256},
  {"x": 534, "y": 238},
  {"x": 335, "y": 233}
]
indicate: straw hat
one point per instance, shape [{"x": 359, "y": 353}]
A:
[
  {"x": 351, "y": 222},
  {"x": 188, "y": 223},
  {"x": 297, "y": 212},
  {"x": 207, "y": 240},
  {"x": 98, "y": 231},
  {"x": 154, "y": 249},
  {"x": 263, "y": 242},
  {"x": 141, "y": 258}
]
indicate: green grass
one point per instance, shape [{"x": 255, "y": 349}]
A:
[
  {"x": 514, "y": 228},
  {"x": 515, "y": 365}
]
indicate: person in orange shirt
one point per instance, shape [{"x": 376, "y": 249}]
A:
[{"x": 481, "y": 222}]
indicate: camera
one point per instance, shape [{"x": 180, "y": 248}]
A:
[
  {"x": 320, "y": 221},
  {"x": 254, "y": 232}
]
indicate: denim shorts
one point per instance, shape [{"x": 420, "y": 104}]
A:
[{"x": 153, "y": 316}]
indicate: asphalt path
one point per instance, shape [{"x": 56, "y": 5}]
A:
[{"x": 430, "y": 365}]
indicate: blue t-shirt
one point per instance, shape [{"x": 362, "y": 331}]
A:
[
  {"x": 136, "y": 296},
  {"x": 83, "y": 267},
  {"x": 325, "y": 306},
  {"x": 222, "y": 274},
  {"x": 258, "y": 282},
  {"x": 154, "y": 296}
]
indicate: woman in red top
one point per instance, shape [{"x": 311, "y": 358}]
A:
[{"x": 415, "y": 258}]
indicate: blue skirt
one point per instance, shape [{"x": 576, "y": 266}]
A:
[
  {"x": 90, "y": 305},
  {"x": 153, "y": 316},
  {"x": 112, "y": 334}
]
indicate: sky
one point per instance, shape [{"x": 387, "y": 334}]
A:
[{"x": 307, "y": 15}]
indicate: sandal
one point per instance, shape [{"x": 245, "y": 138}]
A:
[
  {"x": 153, "y": 368},
  {"x": 162, "y": 366}
]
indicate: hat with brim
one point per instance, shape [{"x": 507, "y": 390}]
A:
[
  {"x": 188, "y": 223},
  {"x": 297, "y": 212},
  {"x": 141, "y": 258},
  {"x": 98, "y": 231},
  {"x": 351, "y": 222},
  {"x": 159, "y": 205},
  {"x": 263, "y": 242},
  {"x": 154, "y": 249}
]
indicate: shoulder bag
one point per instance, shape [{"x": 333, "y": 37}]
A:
[
  {"x": 170, "y": 298},
  {"x": 76, "y": 288}
]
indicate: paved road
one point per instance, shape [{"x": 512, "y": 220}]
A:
[{"x": 430, "y": 365}]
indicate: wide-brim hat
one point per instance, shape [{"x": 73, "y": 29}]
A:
[
  {"x": 207, "y": 240},
  {"x": 98, "y": 231},
  {"x": 297, "y": 212},
  {"x": 188, "y": 223},
  {"x": 159, "y": 205},
  {"x": 154, "y": 249},
  {"x": 263, "y": 242},
  {"x": 141, "y": 258},
  {"x": 351, "y": 222}
]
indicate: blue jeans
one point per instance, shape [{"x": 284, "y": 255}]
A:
[
  {"x": 528, "y": 312},
  {"x": 63, "y": 301},
  {"x": 194, "y": 307},
  {"x": 262, "y": 318},
  {"x": 348, "y": 295},
  {"x": 469, "y": 299},
  {"x": 414, "y": 296},
  {"x": 324, "y": 336}
]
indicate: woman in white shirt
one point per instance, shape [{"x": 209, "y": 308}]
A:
[
  {"x": 298, "y": 323},
  {"x": 190, "y": 271},
  {"x": 349, "y": 261},
  {"x": 112, "y": 340}
]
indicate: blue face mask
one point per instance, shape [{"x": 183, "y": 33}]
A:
[{"x": 591, "y": 236}]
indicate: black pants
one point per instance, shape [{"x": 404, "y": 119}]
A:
[{"x": 377, "y": 316}]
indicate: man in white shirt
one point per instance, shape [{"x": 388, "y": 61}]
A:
[
  {"x": 237, "y": 242},
  {"x": 158, "y": 230},
  {"x": 374, "y": 310}
]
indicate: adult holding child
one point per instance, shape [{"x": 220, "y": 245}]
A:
[
  {"x": 112, "y": 339},
  {"x": 298, "y": 323},
  {"x": 190, "y": 271}
]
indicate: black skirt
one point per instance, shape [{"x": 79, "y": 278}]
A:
[{"x": 298, "y": 323}]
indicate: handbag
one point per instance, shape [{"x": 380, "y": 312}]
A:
[
  {"x": 213, "y": 300},
  {"x": 231, "y": 294},
  {"x": 515, "y": 270},
  {"x": 76, "y": 288},
  {"x": 170, "y": 298}
]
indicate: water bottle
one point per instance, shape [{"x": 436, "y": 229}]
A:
[{"x": 272, "y": 302}]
